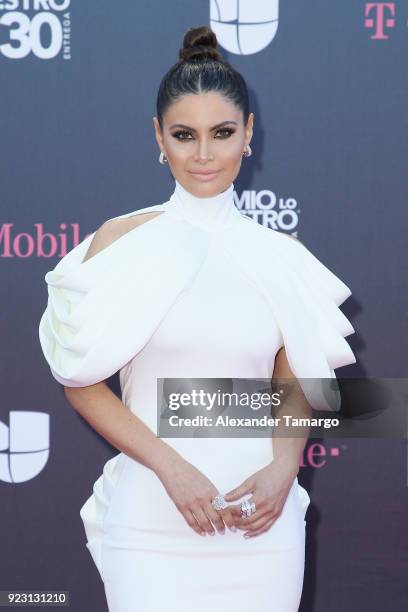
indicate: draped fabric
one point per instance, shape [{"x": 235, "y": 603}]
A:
[{"x": 100, "y": 313}]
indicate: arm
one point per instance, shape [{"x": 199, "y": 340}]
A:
[
  {"x": 106, "y": 413},
  {"x": 190, "y": 489},
  {"x": 100, "y": 407},
  {"x": 287, "y": 451}
]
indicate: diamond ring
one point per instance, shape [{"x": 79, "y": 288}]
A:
[
  {"x": 219, "y": 503},
  {"x": 247, "y": 508}
]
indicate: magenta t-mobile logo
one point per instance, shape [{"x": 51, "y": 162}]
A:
[
  {"x": 38, "y": 243},
  {"x": 316, "y": 455},
  {"x": 379, "y": 15}
]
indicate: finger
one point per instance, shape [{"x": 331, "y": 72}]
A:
[
  {"x": 243, "y": 522},
  {"x": 235, "y": 510},
  {"x": 228, "y": 519},
  {"x": 260, "y": 506},
  {"x": 266, "y": 527},
  {"x": 257, "y": 522},
  {"x": 248, "y": 486},
  {"x": 191, "y": 520},
  {"x": 262, "y": 509},
  {"x": 202, "y": 519},
  {"x": 215, "y": 517}
]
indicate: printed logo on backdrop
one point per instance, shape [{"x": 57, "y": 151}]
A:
[
  {"x": 268, "y": 209},
  {"x": 24, "y": 445},
  {"x": 244, "y": 27},
  {"x": 265, "y": 207},
  {"x": 41, "y": 28},
  {"x": 378, "y": 16}
]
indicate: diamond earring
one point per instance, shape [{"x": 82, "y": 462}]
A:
[
  {"x": 162, "y": 158},
  {"x": 247, "y": 152}
]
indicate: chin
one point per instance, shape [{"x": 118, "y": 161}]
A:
[{"x": 207, "y": 189}]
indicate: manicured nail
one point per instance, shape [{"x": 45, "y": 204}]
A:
[
  {"x": 233, "y": 528},
  {"x": 212, "y": 532}
]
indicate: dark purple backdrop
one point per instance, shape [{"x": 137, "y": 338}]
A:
[{"x": 330, "y": 142}]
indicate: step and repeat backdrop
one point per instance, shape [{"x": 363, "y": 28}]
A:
[{"x": 328, "y": 88}]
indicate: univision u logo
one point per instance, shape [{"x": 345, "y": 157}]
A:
[
  {"x": 244, "y": 26},
  {"x": 24, "y": 445}
]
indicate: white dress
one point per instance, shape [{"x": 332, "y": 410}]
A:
[{"x": 199, "y": 291}]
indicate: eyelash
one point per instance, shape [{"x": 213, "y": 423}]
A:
[{"x": 177, "y": 134}]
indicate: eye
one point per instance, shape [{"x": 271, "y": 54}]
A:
[
  {"x": 227, "y": 131},
  {"x": 181, "y": 133}
]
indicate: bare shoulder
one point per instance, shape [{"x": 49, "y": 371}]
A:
[{"x": 113, "y": 229}]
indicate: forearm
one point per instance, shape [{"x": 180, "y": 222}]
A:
[
  {"x": 107, "y": 414},
  {"x": 287, "y": 449}
]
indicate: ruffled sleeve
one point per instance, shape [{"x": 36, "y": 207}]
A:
[
  {"x": 101, "y": 312},
  {"x": 315, "y": 335},
  {"x": 304, "y": 297}
]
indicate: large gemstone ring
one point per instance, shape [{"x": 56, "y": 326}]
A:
[
  {"x": 219, "y": 503},
  {"x": 247, "y": 508}
]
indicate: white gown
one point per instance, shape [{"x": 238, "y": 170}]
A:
[{"x": 199, "y": 291}]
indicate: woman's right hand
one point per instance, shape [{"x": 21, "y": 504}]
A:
[{"x": 192, "y": 493}]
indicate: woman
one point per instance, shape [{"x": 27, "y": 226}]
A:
[{"x": 193, "y": 288}]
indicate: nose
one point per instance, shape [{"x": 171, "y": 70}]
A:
[{"x": 202, "y": 153}]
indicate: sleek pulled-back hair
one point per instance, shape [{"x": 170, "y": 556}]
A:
[{"x": 201, "y": 69}]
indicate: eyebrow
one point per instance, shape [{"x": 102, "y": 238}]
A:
[{"x": 181, "y": 125}]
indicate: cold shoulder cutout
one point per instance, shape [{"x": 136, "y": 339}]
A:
[
  {"x": 100, "y": 312},
  {"x": 109, "y": 225}
]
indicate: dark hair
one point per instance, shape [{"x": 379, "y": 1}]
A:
[{"x": 200, "y": 69}]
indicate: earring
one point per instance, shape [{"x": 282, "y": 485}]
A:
[
  {"x": 247, "y": 152},
  {"x": 162, "y": 158}
]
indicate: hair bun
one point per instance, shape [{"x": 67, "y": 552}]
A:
[{"x": 199, "y": 44}]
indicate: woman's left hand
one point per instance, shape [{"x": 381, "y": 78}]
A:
[{"x": 270, "y": 487}]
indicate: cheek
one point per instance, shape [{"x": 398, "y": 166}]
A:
[
  {"x": 236, "y": 161},
  {"x": 233, "y": 152},
  {"x": 178, "y": 154}
]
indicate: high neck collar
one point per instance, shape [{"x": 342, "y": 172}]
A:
[{"x": 210, "y": 213}]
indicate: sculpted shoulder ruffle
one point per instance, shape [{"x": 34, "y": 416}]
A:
[
  {"x": 304, "y": 296},
  {"x": 101, "y": 312}
]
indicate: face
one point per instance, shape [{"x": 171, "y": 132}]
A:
[{"x": 203, "y": 138}]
